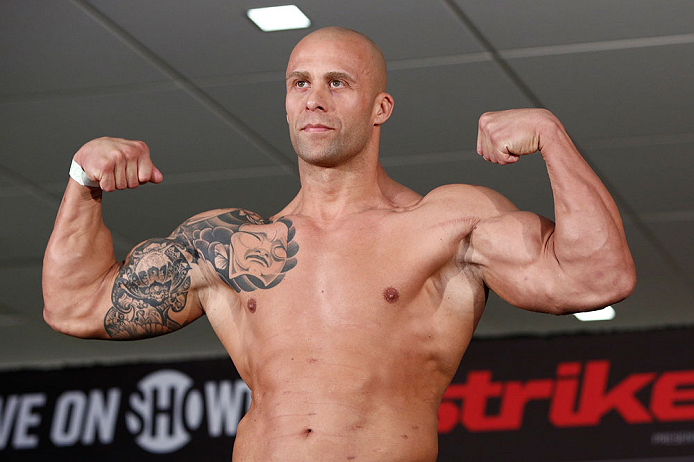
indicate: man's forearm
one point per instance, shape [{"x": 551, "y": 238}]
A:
[
  {"x": 78, "y": 259},
  {"x": 588, "y": 240}
]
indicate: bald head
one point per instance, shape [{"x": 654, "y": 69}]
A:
[
  {"x": 336, "y": 100},
  {"x": 372, "y": 56}
]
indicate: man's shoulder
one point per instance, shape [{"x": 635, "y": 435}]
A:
[
  {"x": 468, "y": 199},
  {"x": 207, "y": 224},
  {"x": 224, "y": 238},
  {"x": 232, "y": 214},
  {"x": 225, "y": 218}
]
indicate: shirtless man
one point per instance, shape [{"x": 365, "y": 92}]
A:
[{"x": 347, "y": 312}]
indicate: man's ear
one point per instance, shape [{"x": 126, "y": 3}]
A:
[{"x": 383, "y": 108}]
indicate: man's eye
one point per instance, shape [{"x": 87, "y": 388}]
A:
[
  {"x": 301, "y": 84},
  {"x": 336, "y": 83}
]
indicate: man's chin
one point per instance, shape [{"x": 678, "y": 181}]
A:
[{"x": 321, "y": 158}]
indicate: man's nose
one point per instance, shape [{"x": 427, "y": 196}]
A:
[{"x": 317, "y": 99}]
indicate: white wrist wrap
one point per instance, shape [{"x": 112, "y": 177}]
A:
[{"x": 77, "y": 174}]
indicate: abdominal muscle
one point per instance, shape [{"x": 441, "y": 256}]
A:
[
  {"x": 342, "y": 396},
  {"x": 363, "y": 386},
  {"x": 314, "y": 421}
]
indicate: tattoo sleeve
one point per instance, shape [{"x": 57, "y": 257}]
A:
[
  {"x": 245, "y": 251},
  {"x": 153, "y": 282}
]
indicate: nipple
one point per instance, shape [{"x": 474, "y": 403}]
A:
[
  {"x": 251, "y": 305},
  {"x": 391, "y": 295}
]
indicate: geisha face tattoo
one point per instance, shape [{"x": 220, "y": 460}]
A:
[
  {"x": 258, "y": 250},
  {"x": 247, "y": 252}
]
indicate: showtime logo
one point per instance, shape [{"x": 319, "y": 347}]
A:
[
  {"x": 162, "y": 413},
  {"x": 167, "y": 409},
  {"x": 578, "y": 397}
]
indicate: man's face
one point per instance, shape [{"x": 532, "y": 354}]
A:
[{"x": 330, "y": 99}]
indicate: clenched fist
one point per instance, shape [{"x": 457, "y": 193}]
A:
[
  {"x": 117, "y": 163},
  {"x": 502, "y": 137}
]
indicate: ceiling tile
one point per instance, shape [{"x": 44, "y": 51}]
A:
[
  {"x": 551, "y": 22},
  {"x": 678, "y": 238},
  {"x": 437, "y": 109},
  {"x": 616, "y": 93},
  {"x": 651, "y": 178},
  {"x": 49, "y": 46},
  {"x": 8, "y": 180},
  {"x": 662, "y": 297},
  {"x": 27, "y": 225},
  {"x": 209, "y": 37},
  {"x": 182, "y": 135},
  {"x": 404, "y": 29},
  {"x": 267, "y": 118},
  {"x": 20, "y": 292}
]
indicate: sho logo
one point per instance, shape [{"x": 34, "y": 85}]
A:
[
  {"x": 157, "y": 415},
  {"x": 166, "y": 409}
]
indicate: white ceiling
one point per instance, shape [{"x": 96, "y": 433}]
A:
[{"x": 204, "y": 88}]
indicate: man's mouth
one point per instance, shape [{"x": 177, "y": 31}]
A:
[{"x": 315, "y": 128}]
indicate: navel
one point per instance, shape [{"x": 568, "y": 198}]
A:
[
  {"x": 251, "y": 304},
  {"x": 391, "y": 295}
]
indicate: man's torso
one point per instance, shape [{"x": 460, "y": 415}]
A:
[{"x": 347, "y": 333}]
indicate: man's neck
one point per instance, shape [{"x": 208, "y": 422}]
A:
[{"x": 329, "y": 194}]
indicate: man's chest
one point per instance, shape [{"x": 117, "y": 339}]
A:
[
  {"x": 342, "y": 288},
  {"x": 379, "y": 272},
  {"x": 248, "y": 253}
]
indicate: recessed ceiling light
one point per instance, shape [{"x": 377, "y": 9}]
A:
[
  {"x": 278, "y": 18},
  {"x": 604, "y": 314}
]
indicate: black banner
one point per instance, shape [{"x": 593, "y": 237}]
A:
[
  {"x": 158, "y": 411},
  {"x": 572, "y": 398},
  {"x": 622, "y": 396}
]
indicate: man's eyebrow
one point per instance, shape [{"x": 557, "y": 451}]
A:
[
  {"x": 301, "y": 75},
  {"x": 333, "y": 75},
  {"x": 338, "y": 75}
]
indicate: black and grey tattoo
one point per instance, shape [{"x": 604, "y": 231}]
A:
[
  {"x": 152, "y": 283},
  {"x": 246, "y": 252}
]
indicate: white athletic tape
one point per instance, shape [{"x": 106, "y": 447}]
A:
[{"x": 77, "y": 174}]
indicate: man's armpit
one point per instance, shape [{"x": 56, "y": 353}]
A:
[{"x": 152, "y": 284}]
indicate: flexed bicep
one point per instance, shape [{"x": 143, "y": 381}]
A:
[
  {"x": 514, "y": 255},
  {"x": 152, "y": 292},
  {"x": 583, "y": 262}
]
